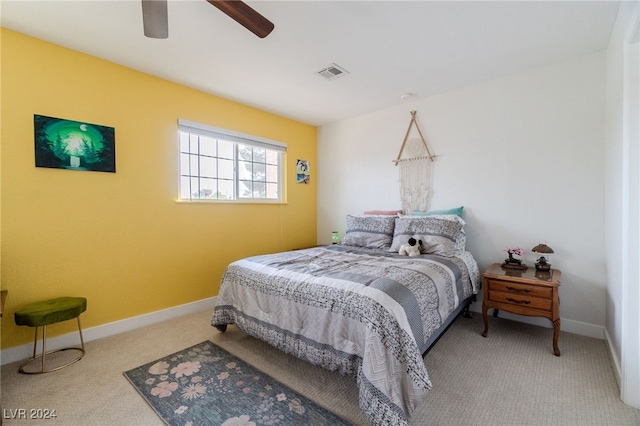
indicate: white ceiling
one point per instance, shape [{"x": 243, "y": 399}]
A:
[{"x": 388, "y": 47}]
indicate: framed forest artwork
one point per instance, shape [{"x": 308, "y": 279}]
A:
[{"x": 74, "y": 145}]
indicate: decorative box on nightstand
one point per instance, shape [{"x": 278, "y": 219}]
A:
[{"x": 529, "y": 292}]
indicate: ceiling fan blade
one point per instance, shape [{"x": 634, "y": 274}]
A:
[
  {"x": 245, "y": 16},
  {"x": 155, "y": 18}
]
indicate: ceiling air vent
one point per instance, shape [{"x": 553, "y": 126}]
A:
[{"x": 332, "y": 72}]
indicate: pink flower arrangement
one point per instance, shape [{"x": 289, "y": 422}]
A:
[{"x": 515, "y": 250}]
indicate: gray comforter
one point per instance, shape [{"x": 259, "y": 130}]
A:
[{"x": 366, "y": 313}]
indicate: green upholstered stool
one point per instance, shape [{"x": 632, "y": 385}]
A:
[{"x": 42, "y": 314}]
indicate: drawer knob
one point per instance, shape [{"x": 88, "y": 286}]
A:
[
  {"x": 525, "y": 302},
  {"x": 518, "y": 290}
]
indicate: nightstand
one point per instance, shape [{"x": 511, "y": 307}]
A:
[{"x": 523, "y": 292}]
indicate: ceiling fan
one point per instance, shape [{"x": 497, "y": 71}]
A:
[{"x": 156, "y": 22}]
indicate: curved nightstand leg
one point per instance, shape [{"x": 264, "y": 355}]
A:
[
  {"x": 485, "y": 319},
  {"x": 556, "y": 333}
]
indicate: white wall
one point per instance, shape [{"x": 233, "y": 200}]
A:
[
  {"x": 622, "y": 200},
  {"x": 523, "y": 154}
]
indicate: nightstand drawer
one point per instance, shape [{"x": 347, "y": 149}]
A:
[
  {"x": 521, "y": 289},
  {"x": 520, "y": 300}
]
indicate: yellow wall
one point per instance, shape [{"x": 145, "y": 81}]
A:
[{"x": 121, "y": 239}]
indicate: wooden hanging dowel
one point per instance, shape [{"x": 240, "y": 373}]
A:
[{"x": 411, "y": 123}]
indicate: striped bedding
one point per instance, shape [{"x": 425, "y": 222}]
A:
[{"x": 363, "y": 312}]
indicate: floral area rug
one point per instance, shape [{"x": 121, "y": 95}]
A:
[{"x": 206, "y": 385}]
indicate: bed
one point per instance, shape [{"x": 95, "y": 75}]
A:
[{"x": 359, "y": 307}]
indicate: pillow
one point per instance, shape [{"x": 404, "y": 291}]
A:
[
  {"x": 369, "y": 231},
  {"x": 457, "y": 211},
  {"x": 383, "y": 212},
  {"x": 460, "y": 237},
  {"x": 438, "y": 235}
]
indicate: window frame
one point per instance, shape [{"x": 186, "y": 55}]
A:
[{"x": 237, "y": 138}]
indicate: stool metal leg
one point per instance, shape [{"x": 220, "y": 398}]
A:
[
  {"x": 80, "y": 331},
  {"x": 44, "y": 348},
  {"x": 45, "y": 353},
  {"x": 35, "y": 343}
]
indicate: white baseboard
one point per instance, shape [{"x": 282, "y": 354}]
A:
[
  {"x": 615, "y": 360},
  {"x": 19, "y": 353},
  {"x": 583, "y": 328},
  {"x": 570, "y": 326}
]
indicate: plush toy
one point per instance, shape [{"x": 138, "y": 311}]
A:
[{"x": 411, "y": 249}]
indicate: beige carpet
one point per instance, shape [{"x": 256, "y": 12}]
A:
[{"x": 509, "y": 378}]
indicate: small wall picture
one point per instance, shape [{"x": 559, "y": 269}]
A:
[
  {"x": 74, "y": 145},
  {"x": 302, "y": 171}
]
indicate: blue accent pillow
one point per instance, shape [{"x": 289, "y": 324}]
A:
[{"x": 457, "y": 211}]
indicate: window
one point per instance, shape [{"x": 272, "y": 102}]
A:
[{"x": 217, "y": 164}]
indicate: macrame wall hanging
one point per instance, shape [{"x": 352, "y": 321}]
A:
[{"x": 414, "y": 160}]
